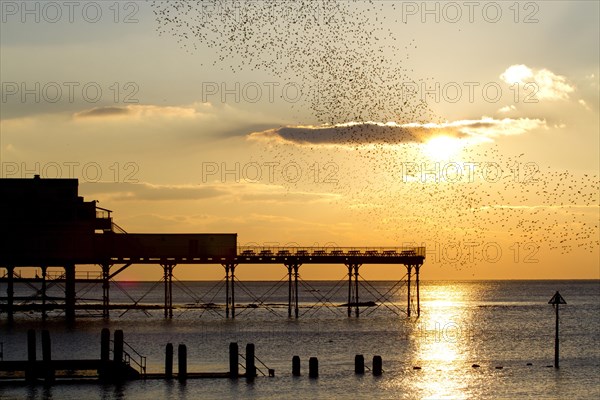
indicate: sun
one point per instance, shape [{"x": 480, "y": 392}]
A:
[
  {"x": 442, "y": 147},
  {"x": 516, "y": 74}
]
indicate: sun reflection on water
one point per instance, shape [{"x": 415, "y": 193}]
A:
[{"x": 440, "y": 363}]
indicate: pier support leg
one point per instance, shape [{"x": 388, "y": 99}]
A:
[
  {"x": 10, "y": 293},
  {"x": 349, "y": 290},
  {"x": 409, "y": 272},
  {"x": 353, "y": 288},
  {"x": 105, "y": 290},
  {"x": 293, "y": 289},
  {"x": 226, "y": 266},
  {"x": 417, "y": 268},
  {"x": 70, "y": 292},
  {"x": 229, "y": 289},
  {"x": 232, "y": 268},
  {"x": 356, "y": 266},
  {"x": 296, "y": 290},
  {"x": 290, "y": 290},
  {"x": 168, "y": 277},
  {"x": 43, "y": 290}
]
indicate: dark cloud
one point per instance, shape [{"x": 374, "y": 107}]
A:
[
  {"x": 103, "y": 112},
  {"x": 392, "y": 133},
  {"x": 352, "y": 134}
]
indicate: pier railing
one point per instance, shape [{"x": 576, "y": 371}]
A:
[
  {"x": 269, "y": 370},
  {"x": 270, "y": 251},
  {"x": 102, "y": 213},
  {"x": 138, "y": 359},
  {"x": 141, "y": 364},
  {"x": 117, "y": 229},
  {"x": 56, "y": 275}
]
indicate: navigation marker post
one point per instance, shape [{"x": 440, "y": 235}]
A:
[{"x": 556, "y": 300}]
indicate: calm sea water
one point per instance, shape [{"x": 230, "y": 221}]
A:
[{"x": 504, "y": 324}]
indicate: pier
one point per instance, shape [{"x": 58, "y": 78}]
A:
[{"x": 51, "y": 232}]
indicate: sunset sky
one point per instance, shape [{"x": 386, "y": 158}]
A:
[{"x": 472, "y": 129}]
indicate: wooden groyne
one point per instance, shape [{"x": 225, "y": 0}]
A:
[
  {"x": 49, "y": 370},
  {"x": 126, "y": 364}
]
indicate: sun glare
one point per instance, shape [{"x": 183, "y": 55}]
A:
[
  {"x": 516, "y": 74},
  {"x": 442, "y": 148}
]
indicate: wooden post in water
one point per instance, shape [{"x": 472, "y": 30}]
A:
[
  {"x": 31, "y": 356},
  {"x": 359, "y": 364},
  {"x": 377, "y": 365},
  {"x": 556, "y": 300},
  {"x": 250, "y": 365},
  {"x": 118, "y": 347},
  {"x": 234, "y": 368},
  {"x": 296, "y": 366},
  {"x": 105, "y": 345},
  {"x": 182, "y": 360},
  {"x": 104, "y": 353},
  {"x": 169, "y": 361},
  {"x": 47, "y": 357},
  {"x": 313, "y": 367}
]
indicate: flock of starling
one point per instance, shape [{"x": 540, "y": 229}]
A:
[
  {"x": 348, "y": 67},
  {"x": 520, "y": 206},
  {"x": 348, "y": 64}
]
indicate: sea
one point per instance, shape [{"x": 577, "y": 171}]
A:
[{"x": 472, "y": 340}]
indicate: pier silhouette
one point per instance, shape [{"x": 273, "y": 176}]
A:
[{"x": 45, "y": 223}]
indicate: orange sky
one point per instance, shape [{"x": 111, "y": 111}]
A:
[{"x": 476, "y": 138}]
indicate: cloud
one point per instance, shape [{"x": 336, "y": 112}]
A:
[
  {"x": 145, "y": 111},
  {"x": 584, "y": 104},
  {"x": 188, "y": 120},
  {"x": 243, "y": 191},
  {"x": 354, "y": 134},
  {"x": 119, "y": 191},
  {"x": 349, "y": 133},
  {"x": 547, "y": 85},
  {"x": 506, "y": 109},
  {"x": 103, "y": 112},
  {"x": 490, "y": 127}
]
